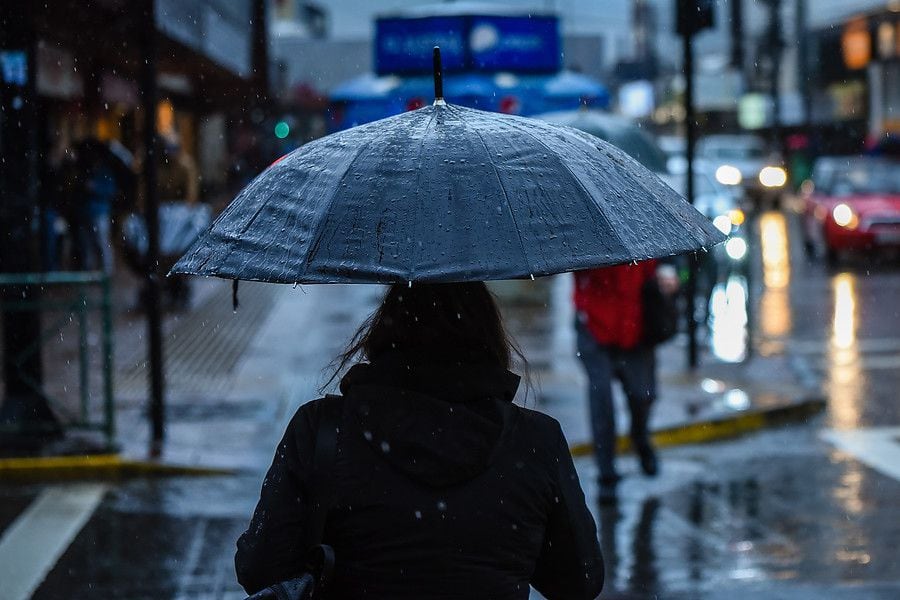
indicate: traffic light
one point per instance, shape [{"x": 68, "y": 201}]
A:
[{"x": 692, "y": 16}]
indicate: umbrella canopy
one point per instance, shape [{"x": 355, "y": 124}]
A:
[{"x": 444, "y": 194}]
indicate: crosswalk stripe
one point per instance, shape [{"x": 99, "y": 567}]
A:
[
  {"x": 33, "y": 544},
  {"x": 877, "y": 447}
]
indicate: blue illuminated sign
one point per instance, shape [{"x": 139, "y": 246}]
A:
[
  {"x": 514, "y": 43},
  {"x": 468, "y": 43},
  {"x": 404, "y": 45}
]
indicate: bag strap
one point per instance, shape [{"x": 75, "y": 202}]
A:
[{"x": 324, "y": 459}]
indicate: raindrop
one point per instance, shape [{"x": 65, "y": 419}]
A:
[
  {"x": 385, "y": 447},
  {"x": 441, "y": 505},
  {"x": 367, "y": 435},
  {"x": 419, "y": 514}
]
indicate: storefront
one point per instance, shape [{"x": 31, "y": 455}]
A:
[
  {"x": 88, "y": 66},
  {"x": 856, "y": 96}
]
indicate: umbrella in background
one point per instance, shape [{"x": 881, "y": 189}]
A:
[
  {"x": 618, "y": 131},
  {"x": 443, "y": 194}
]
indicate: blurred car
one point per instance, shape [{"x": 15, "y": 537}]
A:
[
  {"x": 742, "y": 161},
  {"x": 851, "y": 203}
]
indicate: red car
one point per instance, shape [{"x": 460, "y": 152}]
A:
[{"x": 851, "y": 203}]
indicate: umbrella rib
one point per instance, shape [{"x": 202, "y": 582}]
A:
[
  {"x": 317, "y": 238},
  {"x": 512, "y": 215},
  {"x": 419, "y": 189},
  {"x": 574, "y": 177}
]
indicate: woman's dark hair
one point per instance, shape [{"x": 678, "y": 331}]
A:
[{"x": 436, "y": 322}]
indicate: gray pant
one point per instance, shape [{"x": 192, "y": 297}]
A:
[{"x": 636, "y": 370}]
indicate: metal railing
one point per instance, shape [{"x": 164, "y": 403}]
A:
[{"x": 70, "y": 298}]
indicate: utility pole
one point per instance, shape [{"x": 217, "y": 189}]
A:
[
  {"x": 803, "y": 61},
  {"x": 775, "y": 43},
  {"x": 24, "y": 409},
  {"x": 737, "y": 35},
  {"x": 149, "y": 96},
  {"x": 259, "y": 57},
  {"x": 691, "y": 16}
]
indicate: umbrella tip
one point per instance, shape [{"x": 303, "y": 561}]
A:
[{"x": 438, "y": 76}]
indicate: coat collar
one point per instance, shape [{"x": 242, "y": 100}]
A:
[{"x": 452, "y": 382}]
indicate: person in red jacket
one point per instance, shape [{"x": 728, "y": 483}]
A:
[{"x": 609, "y": 328}]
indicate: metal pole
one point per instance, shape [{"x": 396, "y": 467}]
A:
[
  {"x": 774, "y": 47},
  {"x": 803, "y": 62},
  {"x": 23, "y": 405},
  {"x": 147, "y": 25},
  {"x": 691, "y": 135}
]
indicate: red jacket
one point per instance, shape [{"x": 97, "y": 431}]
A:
[{"x": 610, "y": 299}]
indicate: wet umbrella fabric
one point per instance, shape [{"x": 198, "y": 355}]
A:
[{"x": 443, "y": 194}]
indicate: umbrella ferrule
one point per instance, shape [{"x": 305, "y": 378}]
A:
[{"x": 438, "y": 75}]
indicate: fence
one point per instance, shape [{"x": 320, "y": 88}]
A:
[{"x": 67, "y": 301}]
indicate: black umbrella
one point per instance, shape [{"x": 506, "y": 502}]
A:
[{"x": 443, "y": 194}]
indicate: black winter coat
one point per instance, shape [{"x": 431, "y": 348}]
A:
[{"x": 443, "y": 489}]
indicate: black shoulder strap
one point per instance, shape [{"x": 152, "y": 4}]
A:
[{"x": 323, "y": 465}]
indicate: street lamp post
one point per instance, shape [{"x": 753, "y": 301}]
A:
[
  {"x": 691, "y": 16},
  {"x": 153, "y": 309}
]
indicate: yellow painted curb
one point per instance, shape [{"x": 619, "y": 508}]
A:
[
  {"x": 718, "y": 429},
  {"x": 96, "y": 465}
]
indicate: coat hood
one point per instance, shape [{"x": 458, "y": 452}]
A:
[{"x": 438, "y": 423}]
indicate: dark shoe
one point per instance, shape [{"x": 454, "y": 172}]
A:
[{"x": 649, "y": 464}]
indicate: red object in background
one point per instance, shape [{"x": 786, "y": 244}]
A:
[
  {"x": 871, "y": 217},
  {"x": 415, "y": 103},
  {"x": 509, "y": 105},
  {"x": 610, "y": 299},
  {"x": 797, "y": 141},
  {"x": 305, "y": 96}
]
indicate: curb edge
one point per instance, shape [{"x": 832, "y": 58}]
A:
[{"x": 723, "y": 428}]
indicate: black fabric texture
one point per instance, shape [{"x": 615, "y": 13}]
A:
[{"x": 443, "y": 489}]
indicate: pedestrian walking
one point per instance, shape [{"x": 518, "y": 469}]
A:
[
  {"x": 93, "y": 222},
  {"x": 443, "y": 488},
  {"x": 613, "y": 343}
]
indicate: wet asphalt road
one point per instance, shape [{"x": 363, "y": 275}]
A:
[{"x": 807, "y": 511}]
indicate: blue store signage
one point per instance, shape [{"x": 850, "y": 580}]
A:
[{"x": 492, "y": 43}]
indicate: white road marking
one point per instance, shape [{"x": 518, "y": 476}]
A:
[
  {"x": 34, "y": 542},
  {"x": 884, "y": 345},
  {"x": 877, "y": 447}
]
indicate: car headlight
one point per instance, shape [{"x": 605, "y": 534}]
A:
[
  {"x": 736, "y": 248},
  {"x": 723, "y": 224},
  {"x": 773, "y": 176},
  {"x": 844, "y": 216},
  {"x": 728, "y": 175}
]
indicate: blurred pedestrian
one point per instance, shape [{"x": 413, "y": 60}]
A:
[
  {"x": 442, "y": 487},
  {"x": 613, "y": 314},
  {"x": 60, "y": 196},
  {"x": 98, "y": 190},
  {"x": 179, "y": 183}
]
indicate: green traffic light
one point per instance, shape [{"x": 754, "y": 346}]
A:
[{"x": 282, "y": 130}]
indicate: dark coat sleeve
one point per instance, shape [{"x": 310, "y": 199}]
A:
[
  {"x": 270, "y": 550},
  {"x": 570, "y": 565}
]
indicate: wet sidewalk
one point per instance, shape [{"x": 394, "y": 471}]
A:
[{"x": 288, "y": 337}]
